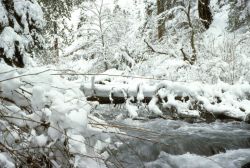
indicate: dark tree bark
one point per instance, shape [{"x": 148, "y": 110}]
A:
[
  {"x": 116, "y": 100},
  {"x": 161, "y": 22},
  {"x": 193, "y": 58},
  {"x": 192, "y": 38},
  {"x": 56, "y": 42},
  {"x": 205, "y": 13}
]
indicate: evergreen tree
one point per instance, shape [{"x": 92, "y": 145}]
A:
[
  {"x": 55, "y": 12},
  {"x": 20, "y": 25},
  {"x": 239, "y": 14}
]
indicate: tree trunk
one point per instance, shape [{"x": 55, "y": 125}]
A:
[
  {"x": 192, "y": 38},
  {"x": 161, "y": 21},
  {"x": 205, "y": 13},
  {"x": 56, "y": 43},
  {"x": 106, "y": 67}
]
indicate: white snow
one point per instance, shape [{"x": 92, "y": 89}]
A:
[
  {"x": 41, "y": 109},
  {"x": 8, "y": 36},
  {"x": 3, "y": 16},
  {"x": 5, "y": 161},
  {"x": 77, "y": 144},
  {"x": 232, "y": 97},
  {"x": 140, "y": 95},
  {"x": 41, "y": 140},
  {"x": 230, "y": 159},
  {"x": 53, "y": 102},
  {"x": 35, "y": 13},
  {"x": 132, "y": 109},
  {"x": 153, "y": 107}
]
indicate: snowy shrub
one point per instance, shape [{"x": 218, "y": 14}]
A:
[
  {"x": 43, "y": 122},
  {"x": 224, "y": 58}
]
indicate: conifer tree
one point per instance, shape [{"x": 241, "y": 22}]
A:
[{"x": 20, "y": 25}]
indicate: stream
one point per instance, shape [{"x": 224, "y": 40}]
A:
[{"x": 159, "y": 143}]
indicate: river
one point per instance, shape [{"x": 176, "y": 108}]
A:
[{"x": 159, "y": 143}]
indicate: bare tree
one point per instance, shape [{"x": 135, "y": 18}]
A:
[
  {"x": 97, "y": 27},
  {"x": 101, "y": 25},
  {"x": 193, "y": 57}
]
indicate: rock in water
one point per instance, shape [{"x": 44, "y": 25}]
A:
[
  {"x": 247, "y": 120},
  {"x": 246, "y": 165}
]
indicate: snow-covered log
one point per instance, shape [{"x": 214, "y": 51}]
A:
[
  {"x": 220, "y": 101},
  {"x": 116, "y": 100},
  {"x": 118, "y": 93}
]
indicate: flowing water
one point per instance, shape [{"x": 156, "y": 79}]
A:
[{"x": 160, "y": 143}]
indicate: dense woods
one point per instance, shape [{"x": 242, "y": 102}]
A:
[{"x": 124, "y": 83}]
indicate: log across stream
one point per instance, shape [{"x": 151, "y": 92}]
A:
[{"x": 221, "y": 101}]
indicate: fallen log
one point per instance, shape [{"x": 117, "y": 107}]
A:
[
  {"x": 121, "y": 100},
  {"x": 115, "y": 100},
  {"x": 188, "y": 100},
  {"x": 105, "y": 94},
  {"x": 117, "y": 94}
]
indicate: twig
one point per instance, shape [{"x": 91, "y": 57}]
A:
[
  {"x": 130, "y": 147},
  {"x": 112, "y": 75},
  {"x": 136, "y": 137},
  {"x": 153, "y": 50},
  {"x": 124, "y": 127},
  {"x": 32, "y": 74},
  {"x": 7, "y": 71}
]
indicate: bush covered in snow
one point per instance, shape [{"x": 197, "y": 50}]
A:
[{"x": 43, "y": 121}]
